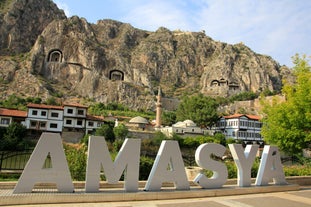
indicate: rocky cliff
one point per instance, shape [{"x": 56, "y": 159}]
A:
[{"x": 43, "y": 53}]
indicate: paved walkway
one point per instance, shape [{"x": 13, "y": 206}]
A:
[{"x": 300, "y": 198}]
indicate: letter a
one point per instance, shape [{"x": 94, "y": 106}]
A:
[
  {"x": 244, "y": 161},
  {"x": 204, "y": 160},
  {"x": 34, "y": 173},
  {"x": 168, "y": 166},
  {"x": 270, "y": 167}
]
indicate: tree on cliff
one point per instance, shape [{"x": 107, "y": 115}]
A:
[
  {"x": 288, "y": 124},
  {"x": 200, "y": 109}
]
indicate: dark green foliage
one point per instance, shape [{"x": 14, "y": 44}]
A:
[
  {"x": 158, "y": 138},
  {"x": 145, "y": 166},
  {"x": 13, "y": 102},
  {"x": 168, "y": 118},
  {"x": 12, "y": 138},
  {"x": 198, "y": 108},
  {"x": 102, "y": 109},
  {"x": 232, "y": 169},
  {"x": 36, "y": 100},
  {"x": 244, "y": 96},
  {"x": 120, "y": 131},
  {"x": 16, "y": 102},
  {"x": 51, "y": 101},
  {"x": 195, "y": 142},
  {"x": 220, "y": 138},
  {"x": 106, "y": 130}
]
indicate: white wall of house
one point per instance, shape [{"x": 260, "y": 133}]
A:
[
  {"x": 72, "y": 111},
  {"x": 56, "y": 114},
  {"x": 72, "y": 122},
  {"x": 55, "y": 125},
  {"x": 92, "y": 124},
  {"x": 44, "y": 124},
  {"x": 186, "y": 128},
  {"x": 44, "y": 119},
  {"x": 38, "y": 113}
]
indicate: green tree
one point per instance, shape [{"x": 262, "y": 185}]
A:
[
  {"x": 198, "y": 108},
  {"x": 288, "y": 124},
  {"x": 106, "y": 130},
  {"x": 120, "y": 131},
  {"x": 51, "y": 101},
  {"x": 168, "y": 118},
  {"x": 13, "y": 137}
]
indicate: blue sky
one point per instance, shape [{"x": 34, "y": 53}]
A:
[{"x": 278, "y": 28}]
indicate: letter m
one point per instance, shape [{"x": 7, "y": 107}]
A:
[{"x": 99, "y": 158}]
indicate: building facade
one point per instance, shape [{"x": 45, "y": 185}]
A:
[
  {"x": 185, "y": 128},
  {"x": 74, "y": 117},
  {"x": 41, "y": 117},
  {"x": 7, "y": 116},
  {"x": 50, "y": 118},
  {"x": 240, "y": 127}
]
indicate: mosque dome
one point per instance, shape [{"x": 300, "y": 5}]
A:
[
  {"x": 189, "y": 123},
  {"x": 138, "y": 120}
]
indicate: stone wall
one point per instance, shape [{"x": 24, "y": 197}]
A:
[{"x": 72, "y": 137}]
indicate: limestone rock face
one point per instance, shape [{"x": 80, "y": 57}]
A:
[
  {"x": 22, "y": 21},
  {"x": 111, "y": 61}
]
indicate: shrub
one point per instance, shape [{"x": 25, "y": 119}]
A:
[
  {"x": 297, "y": 170},
  {"x": 76, "y": 158},
  {"x": 145, "y": 166}
]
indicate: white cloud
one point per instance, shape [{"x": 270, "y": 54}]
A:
[{"x": 64, "y": 7}]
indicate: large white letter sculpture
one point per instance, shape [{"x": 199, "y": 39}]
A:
[
  {"x": 204, "y": 160},
  {"x": 49, "y": 143},
  {"x": 270, "y": 167},
  {"x": 168, "y": 166},
  {"x": 244, "y": 161},
  {"x": 99, "y": 157}
]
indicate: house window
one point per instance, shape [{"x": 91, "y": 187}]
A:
[
  {"x": 54, "y": 114},
  {"x": 79, "y": 122},
  {"x": 91, "y": 123},
  {"x": 80, "y": 112},
  {"x": 43, "y": 113},
  {"x": 70, "y": 111},
  {"x": 33, "y": 123},
  {"x": 53, "y": 125},
  {"x": 42, "y": 124},
  {"x": 68, "y": 122},
  {"x": 99, "y": 124},
  {"x": 5, "y": 121},
  {"x": 34, "y": 112}
]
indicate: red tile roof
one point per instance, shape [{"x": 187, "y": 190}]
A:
[
  {"x": 254, "y": 117},
  {"x": 12, "y": 113},
  {"x": 44, "y": 106}
]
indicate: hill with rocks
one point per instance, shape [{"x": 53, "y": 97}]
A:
[{"x": 43, "y": 53}]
